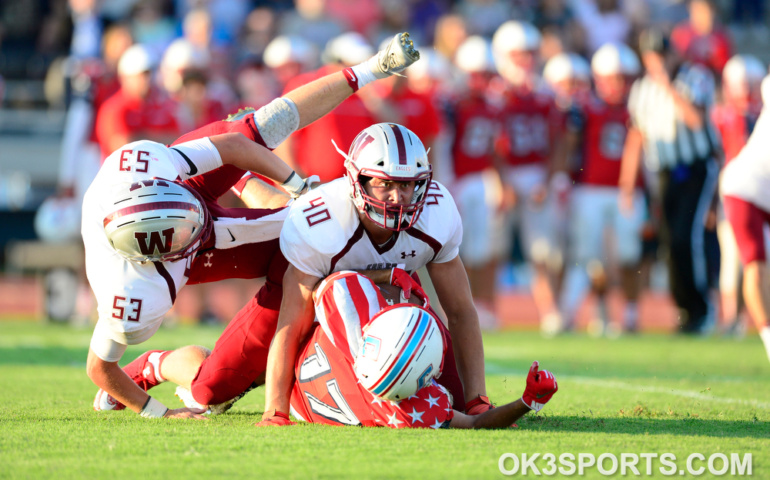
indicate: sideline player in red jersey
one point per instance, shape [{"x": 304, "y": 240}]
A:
[
  {"x": 136, "y": 265},
  {"x": 477, "y": 187},
  {"x": 356, "y": 336},
  {"x": 735, "y": 117},
  {"x": 745, "y": 187},
  {"x": 596, "y": 133},
  {"x": 530, "y": 123}
]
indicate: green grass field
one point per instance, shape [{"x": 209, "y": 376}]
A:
[{"x": 651, "y": 393}]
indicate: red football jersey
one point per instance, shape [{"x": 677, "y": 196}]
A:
[
  {"x": 126, "y": 116},
  {"x": 529, "y": 125},
  {"x": 712, "y": 50},
  {"x": 734, "y": 127},
  {"x": 476, "y": 126},
  {"x": 419, "y": 113},
  {"x": 326, "y": 389},
  {"x": 604, "y": 132}
]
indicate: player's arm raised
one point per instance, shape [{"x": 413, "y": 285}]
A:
[
  {"x": 294, "y": 322},
  {"x": 454, "y": 294}
]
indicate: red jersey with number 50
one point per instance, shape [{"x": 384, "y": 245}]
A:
[
  {"x": 476, "y": 125},
  {"x": 326, "y": 389},
  {"x": 529, "y": 126},
  {"x": 603, "y": 137}
]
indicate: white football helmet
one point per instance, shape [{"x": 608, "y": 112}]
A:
[
  {"x": 615, "y": 59},
  {"x": 157, "y": 220},
  {"x": 475, "y": 55},
  {"x": 566, "y": 66},
  {"x": 401, "y": 350},
  {"x": 58, "y": 220},
  {"x": 514, "y": 37},
  {"x": 390, "y": 152},
  {"x": 743, "y": 71}
]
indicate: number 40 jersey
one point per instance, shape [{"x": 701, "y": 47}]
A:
[{"x": 323, "y": 234}]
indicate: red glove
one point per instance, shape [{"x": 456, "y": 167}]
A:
[
  {"x": 478, "y": 405},
  {"x": 401, "y": 279},
  {"x": 541, "y": 385},
  {"x": 275, "y": 419}
]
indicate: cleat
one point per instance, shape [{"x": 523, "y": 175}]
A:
[
  {"x": 104, "y": 401},
  {"x": 395, "y": 58},
  {"x": 186, "y": 397}
]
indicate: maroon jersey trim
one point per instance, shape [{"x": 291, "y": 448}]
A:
[
  {"x": 167, "y": 277},
  {"x": 352, "y": 241},
  {"x": 432, "y": 242}
]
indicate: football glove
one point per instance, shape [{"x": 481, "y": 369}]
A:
[
  {"x": 275, "y": 419},
  {"x": 478, "y": 405},
  {"x": 400, "y": 278},
  {"x": 541, "y": 385}
]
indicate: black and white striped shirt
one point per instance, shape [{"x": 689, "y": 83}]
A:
[{"x": 668, "y": 141}]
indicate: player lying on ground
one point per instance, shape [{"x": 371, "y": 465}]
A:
[
  {"x": 367, "y": 363},
  {"x": 149, "y": 228},
  {"x": 387, "y": 213}
]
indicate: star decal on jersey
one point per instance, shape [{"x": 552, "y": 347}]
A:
[
  {"x": 436, "y": 425},
  {"x": 393, "y": 420},
  {"x": 416, "y": 416},
  {"x": 377, "y": 401},
  {"x": 432, "y": 401}
]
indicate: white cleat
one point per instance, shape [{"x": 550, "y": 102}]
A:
[
  {"x": 393, "y": 59},
  {"x": 186, "y": 397},
  {"x": 104, "y": 401}
]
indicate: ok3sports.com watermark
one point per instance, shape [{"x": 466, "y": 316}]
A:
[{"x": 626, "y": 464}]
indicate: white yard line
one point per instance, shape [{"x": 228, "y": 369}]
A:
[{"x": 620, "y": 385}]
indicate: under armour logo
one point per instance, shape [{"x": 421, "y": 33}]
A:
[
  {"x": 404, "y": 254},
  {"x": 208, "y": 259}
]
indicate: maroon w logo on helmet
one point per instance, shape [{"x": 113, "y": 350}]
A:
[{"x": 162, "y": 245}]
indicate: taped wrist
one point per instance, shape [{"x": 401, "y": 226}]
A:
[
  {"x": 153, "y": 409},
  {"x": 294, "y": 185},
  {"x": 361, "y": 74}
]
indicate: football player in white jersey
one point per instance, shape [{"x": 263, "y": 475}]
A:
[
  {"x": 149, "y": 228},
  {"x": 386, "y": 214}
]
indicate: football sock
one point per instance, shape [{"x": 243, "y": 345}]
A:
[
  {"x": 145, "y": 370},
  {"x": 631, "y": 316},
  {"x": 764, "y": 334}
]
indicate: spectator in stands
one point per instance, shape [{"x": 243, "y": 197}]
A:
[
  {"x": 701, "y": 39},
  {"x": 603, "y": 21},
  {"x": 669, "y": 110},
  {"x": 138, "y": 110},
  {"x": 311, "y": 21}
]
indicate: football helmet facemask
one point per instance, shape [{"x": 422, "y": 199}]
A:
[
  {"x": 389, "y": 152},
  {"x": 157, "y": 220}
]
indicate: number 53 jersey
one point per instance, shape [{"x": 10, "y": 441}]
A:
[{"x": 323, "y": 233}]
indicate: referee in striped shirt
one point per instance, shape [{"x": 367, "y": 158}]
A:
[{"x": 670, "y": 123}]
